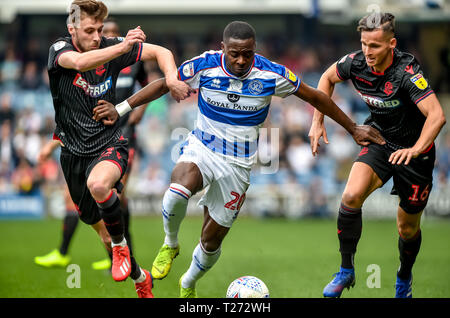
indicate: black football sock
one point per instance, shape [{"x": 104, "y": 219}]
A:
[
  {"x": 349, "y": 224},
  {"x": 408, "y": 252},
  {"x": 112, "y": 216},
  {"x": 126, "y": 221},
  {"x": 69, "y": 225},
  {"x": 135, "y": 269}
]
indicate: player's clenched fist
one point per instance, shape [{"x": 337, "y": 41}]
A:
[
  {"x": 106, "y": 112},
  {"x": 134, "y": 36}
]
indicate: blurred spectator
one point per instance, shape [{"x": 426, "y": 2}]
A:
[
  {"x": 296, "y": 116},
  {"x": 343, "y": 149},
  {"x": 317, "y": 200},
  {"x": 33, "y": 53},
  {"x": 6, "y": 111},
  {"x": 152, "y": 181},
  {"x": 443, "y": 160},
  {"x": 443, "y": 81},
  {"x": 300, "y": 159},
  {"x": 31, "y": 77},
  {"x": 8, "y": 156},
  {"x": 25, "y": 178},
  {"x": 292, "y": 58},
  {"x": 10, "y": 69}
]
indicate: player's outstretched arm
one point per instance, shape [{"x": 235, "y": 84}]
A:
[
  {"x": 164, "y": 57},
  {"x": 47, "y": 150},
  {"x": 109, "y": 113},
  {"x": 432, "y": 110},
  {"x": 362, "y": 134},
  {"x": 84, "y": 61},
  {"x": 326, "y": 84}
]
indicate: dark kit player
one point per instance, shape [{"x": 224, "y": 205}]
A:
[
  {"x": 405, "y": 110},
  {"x": 83, "y": 70},
  {"x": 124, "y": 88}
]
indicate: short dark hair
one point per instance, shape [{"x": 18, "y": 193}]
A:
[
  {"x": 239, "y": 30},
  {"x": 376, "y": 21},
  {"x": 91, "y": 8}
]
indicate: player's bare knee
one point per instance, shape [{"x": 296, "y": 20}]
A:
[
  {"x": 210, "y": 246},
  {"x": 188, "y": 175},
  {"x": 99, "y": 189},
  {"x": 352, "y": 199},
  {"x": 406, "y": 230}
]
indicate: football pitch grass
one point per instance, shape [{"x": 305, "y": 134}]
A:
[{"x": 295, "y": 259}]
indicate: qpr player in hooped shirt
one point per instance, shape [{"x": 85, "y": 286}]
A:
[{"x": 232, "y": 109}]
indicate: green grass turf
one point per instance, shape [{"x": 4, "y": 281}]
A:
[{"x": 294, "y": 258}]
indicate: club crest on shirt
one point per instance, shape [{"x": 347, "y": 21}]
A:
[
  {"x": 388, "y": 88},
  {"x": 255, "y": 87},
  {"x": 235, "y": 86},
  {"x": 419, "y": 81}
]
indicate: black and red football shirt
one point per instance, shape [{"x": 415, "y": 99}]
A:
[
  {"x": 76, "y": 93},
  {"x": 391, "y": 96}
]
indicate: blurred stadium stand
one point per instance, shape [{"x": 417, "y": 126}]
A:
[{"x": 306, "y": 36}]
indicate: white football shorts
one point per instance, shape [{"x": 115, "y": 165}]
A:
[{"x": 225, "y": 183}]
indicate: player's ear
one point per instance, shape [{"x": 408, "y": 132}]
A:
[
  {"x": 222, "y": 46},
  {"x": 71, "y": 29},
  {"x": 393, "y": 43}
]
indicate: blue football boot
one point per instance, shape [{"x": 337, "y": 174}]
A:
[
  {"x": 403, "y": 288},
  {"x": 345, "y": 278}
]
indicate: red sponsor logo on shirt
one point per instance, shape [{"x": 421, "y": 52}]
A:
[{"x": 92, "y": 90}]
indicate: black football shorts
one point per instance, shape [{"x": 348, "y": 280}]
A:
[
  {"x": 129, "y": 133},
  {"x": 412, "y": 182},
  {"x": 76, "y": 171}
]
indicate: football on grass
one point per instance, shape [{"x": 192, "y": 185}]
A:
[{"x": 247, "y": 287}]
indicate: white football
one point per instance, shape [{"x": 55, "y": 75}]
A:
[{"x": 247, "y": 287}]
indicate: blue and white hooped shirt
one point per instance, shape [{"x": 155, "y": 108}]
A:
[{"x": 232, "y": 109}]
